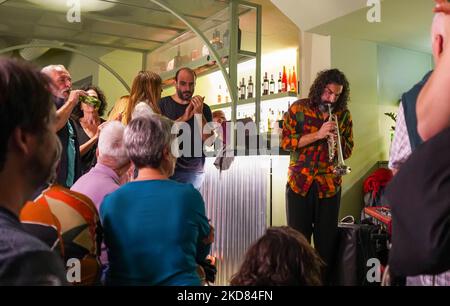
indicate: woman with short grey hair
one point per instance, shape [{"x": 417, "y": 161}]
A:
[{"x": 155, "y": 229}]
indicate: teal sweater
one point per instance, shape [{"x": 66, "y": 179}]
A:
[{"x": 154, "y": 233}]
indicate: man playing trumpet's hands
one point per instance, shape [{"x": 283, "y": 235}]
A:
[{"x": 313, "y": 190}]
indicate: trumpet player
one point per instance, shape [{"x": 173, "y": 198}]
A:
[{"x": 313, "y": 190}]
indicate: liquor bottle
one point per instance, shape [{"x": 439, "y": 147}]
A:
[
  {"x": 280, "y": 84},
  {"x": 272, "y": 85},
  {"x": 216, "y": 43},
  {"x": 284, "y": 80},
  {"x": 288, "y": 88},
  {"x": 265, "y": 84},
  {"x": 243, "y": 89},
  {"x": 250, "y": 88},
  {"x": 293, "y": 81},
  {"x": 219, "y": 96},
  {"x": 269, "y": 121},
  {"x": 227, "y": 96},
  {"x": 226, "y": 39},
  {"x": 177, "y": 60}
]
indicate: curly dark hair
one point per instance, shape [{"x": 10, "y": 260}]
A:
[
  {"x": 282, "y": 257},
  {"x": 325, "y": 77},
  {"x": 77, "y": 113}
]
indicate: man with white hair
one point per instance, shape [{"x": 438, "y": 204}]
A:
[
  {"x": 109, "y": 172},
  {"x": 407, "y": 137},
  {"x": 112, "y": 165},
  {"x": 65, "y": 99}
]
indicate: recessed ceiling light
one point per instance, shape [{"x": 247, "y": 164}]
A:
[{"x": 86, "y": 5}]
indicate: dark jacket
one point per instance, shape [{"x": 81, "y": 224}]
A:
[
  {"x": 409, "y": 101},
  {"x": 25, "y": 260}
]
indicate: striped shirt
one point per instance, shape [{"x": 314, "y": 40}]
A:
[{"x": 399, "y": 153}]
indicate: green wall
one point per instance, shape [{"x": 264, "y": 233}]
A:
[
  {"x": 358, "y": 61},
  {"x": 378, "y": 75},
  {"x": 127, "y": 64},
  {"x": 398, "y": 71}
]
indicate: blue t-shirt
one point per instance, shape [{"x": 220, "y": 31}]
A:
[{"x": 154, "y": 233}]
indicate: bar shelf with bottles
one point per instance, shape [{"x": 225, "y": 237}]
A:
[
  {"x": 275, "y": 100},
  {"x": 188, "y": 50}
]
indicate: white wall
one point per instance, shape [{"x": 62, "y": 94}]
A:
[{"x": 315, "y": 56}]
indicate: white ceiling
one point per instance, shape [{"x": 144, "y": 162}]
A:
[
  {"x": 404, "y": 23},
  {"x": 307, "y": 14}
]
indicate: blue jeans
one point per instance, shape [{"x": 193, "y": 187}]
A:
[{"x": 187, "y": 177}]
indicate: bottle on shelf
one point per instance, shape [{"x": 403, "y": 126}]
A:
[
  {"x": 219, "y": 95},
  {"x": 250, "y": 88},
  {"x": 280, "y": 84},
  {"x": 216, "y": 43},
  {"x": 269, "y": 121},
  {"x": 242, "y": 89},
  {"x": 227, "y": 95},
  {"x": 271, "y": 85},
  {"x": 288, "y": 88},
  {"x": 226, "y": 39},
  {"x": 293, "y": 81},
  {"x": 178, "y": 60},
  {"x": 284, "y": 80},
  {"x": 265, "y": 84}
]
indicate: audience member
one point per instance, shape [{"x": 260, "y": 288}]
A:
[
  {"x": 28, "y": 154},
  {"x": 281, "y": 257},
  {"x": 156, "y": 230}
]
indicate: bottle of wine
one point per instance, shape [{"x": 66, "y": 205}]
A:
[
  {"x": 293, "y": 81},
  {"x": 227, "y": 96},
  {"x": 271, "y": 85},
  {"x": 219, "y": 96},
  {"x": 280, "y": 84},
  {"x": 269, "y": 121},
  {"x": 243, "y": 89},
  {"x": 265, "y": 84},
  {"x": 250, "y": 88},
  {"x": 178, "y": 60},
  {"x": 284, "y": 80},
  {"x": 288, "y": 88}
]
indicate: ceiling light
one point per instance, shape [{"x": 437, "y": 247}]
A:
[{"x": 86, "y": 5}]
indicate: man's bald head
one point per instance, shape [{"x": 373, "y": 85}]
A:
[{"x": 440, "y": 34}]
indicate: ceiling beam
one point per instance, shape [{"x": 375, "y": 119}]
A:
[
  {"x": 94, "y": 16},
  {"x": 77, "y": 42},
  {"x": 153, "y": 9},
  {"x": 118, "y": 20}
]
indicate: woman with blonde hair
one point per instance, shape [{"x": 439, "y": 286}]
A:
[
  {"x": 145, "y": 95},
  {"x": 118, "y": 111},
  {"x": 146, "y": 88}
]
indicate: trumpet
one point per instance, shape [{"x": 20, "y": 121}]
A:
[{"x": 340, "y": 168}]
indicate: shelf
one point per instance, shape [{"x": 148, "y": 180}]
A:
[
  {"x": 252, "y": 100},
  {"x": 204, "y": 64}
]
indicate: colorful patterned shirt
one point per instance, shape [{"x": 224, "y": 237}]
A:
[
  {"x": 311, "y": 163},
  {"x": 68, "y": 222}
]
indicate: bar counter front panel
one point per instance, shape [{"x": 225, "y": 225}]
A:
[{"x": 241, "y": 203}]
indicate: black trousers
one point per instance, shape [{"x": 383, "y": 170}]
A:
[{"x": 318, "y": 217}]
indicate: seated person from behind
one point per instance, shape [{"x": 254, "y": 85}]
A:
[
  {"x": 69, "y": 224},
  {"x": 112, "y": 165},
  {"x": 110, "y": 171},
  {"x": 156, "y": 230},
  {"x": 282, "y": 257}
]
